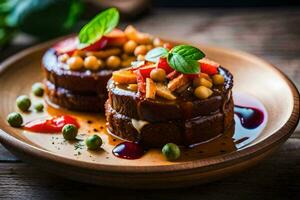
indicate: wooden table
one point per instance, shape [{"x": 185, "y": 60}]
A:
[{"x": 273, "y": 34}]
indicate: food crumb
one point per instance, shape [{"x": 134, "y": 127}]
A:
[{"x": 78, "y": 145}]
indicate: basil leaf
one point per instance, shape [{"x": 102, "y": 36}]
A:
[
  {"x": 184, "y": 58},
  {"x": 179, "y": 63},
  {"x": 188, "y": 52},
  {"x": 155, "y": 54},
  {"x": 137, "y": 64},
  {"x": 102, "y": 24}
]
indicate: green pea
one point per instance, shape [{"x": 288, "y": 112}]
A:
[
  {"x": 39, "y": 107},
  {"x": 93, "y": 142},
  {"x": 171, "y": 151},
  {"x": 38, "y": 89},
  {"x": 69, "y": 132},
  {"x": 14, "y": 119},
  {"x": 23, "y": 103}
]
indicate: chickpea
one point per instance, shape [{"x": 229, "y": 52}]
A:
[
  {"x": 149, "y": 47},
  {"x": 63, "y": 58},
  {"x": 102, "y": 63},
  {"x": 130, "y": 46},
  {"x": 92, "y": 63},
  {"x": 113, "y": 62},
  {"x": 202, "y": 81},
  {"x": 196, "y": 82},
  {"x": 143, "y": 38},
  {"x": 127, "y": 62},
  {"x": 158, "y": 75},
  {"x": 75, "y": 63},
  {"x": 206, "y": 76},
  {"x": 168, "y": 46},
  {"x": 140, "y": 57},
  {"x": 79, "y": 53},
  {"x": 130, "y": 32},
  {"x": 104, "y": 53},
  {"x": 132, "y": 87},
  {"x": 124, "y": 56},
  {"x": 218, "y": 79},
  {"x": 140, "y": 50},
  {"x": 202, "y": 92},
  {"x": 158, "y": 42},
  {"x": 138, "y": 37}
]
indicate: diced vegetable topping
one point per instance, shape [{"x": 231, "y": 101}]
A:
[
  {"x": 218, "y": 79},
  {"x": 164, "y": 92},
  {"x": 177, "y": 82},
  {"x": 99, "y": 44},
  {"x": 156, "y": 77},
  {"x": 67, "y": 46},
  {"x": 132, "y": 87},
  {"x": 150, "y": 89},
  {"x": 202, "y": 92},
  {"x": 140, "y": 82},
  {"x": 163, "y": 64},
  {"x": 146, "y": 70},
  {"x": 112, "y": 47},
  {"x": 116, "y": 38},
  {"x": 124, "y": 77},
  {"x": 208, "y": 66}
]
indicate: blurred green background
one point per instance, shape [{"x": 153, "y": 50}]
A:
[{"x": 45, "y": 19}]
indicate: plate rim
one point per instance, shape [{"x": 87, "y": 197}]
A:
[{"x": 204, "y": 164}]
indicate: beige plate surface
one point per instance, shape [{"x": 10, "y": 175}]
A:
[{"x": 252, "y": 76}]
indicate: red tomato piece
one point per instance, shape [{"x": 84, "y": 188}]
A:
[
  {"x": 168, "y": 46},
  {"x": 208, "y": 66},
  {"x": 116, "y": 37},
  {"x": 99, "y": 44},
  {"x": 53, "y": 125},
  {"x": 163, "y": 64},
  {"x": 172, "y": 75},
  {"x": 192, "y": 76},
  {"x": 140, "y": 82},
  {"x": 67, "y": 46},
  {"x": 146, "y": 70}
]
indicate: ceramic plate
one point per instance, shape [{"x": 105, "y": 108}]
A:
[{"x": 254, "y": 80}]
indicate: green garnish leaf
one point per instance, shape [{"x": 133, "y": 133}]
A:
[
  {"x": 156, "y": 53},
  {"x": 100, "y": 25},
  {"x": 177, "y": 62},
  {"x": 184, "y": 58},
  {"x": 188, "y": 52}
]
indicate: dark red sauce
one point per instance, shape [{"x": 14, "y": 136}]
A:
[
  {"x": 128, "y": 150},
  {"x": 250, "y": 117},
  {"x": 53, "y": 125}
]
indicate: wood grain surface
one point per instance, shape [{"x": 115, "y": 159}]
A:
[{"x": 268, "y": 33}]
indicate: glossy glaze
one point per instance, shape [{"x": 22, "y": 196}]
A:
[{"x": 128, "y": 150}]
